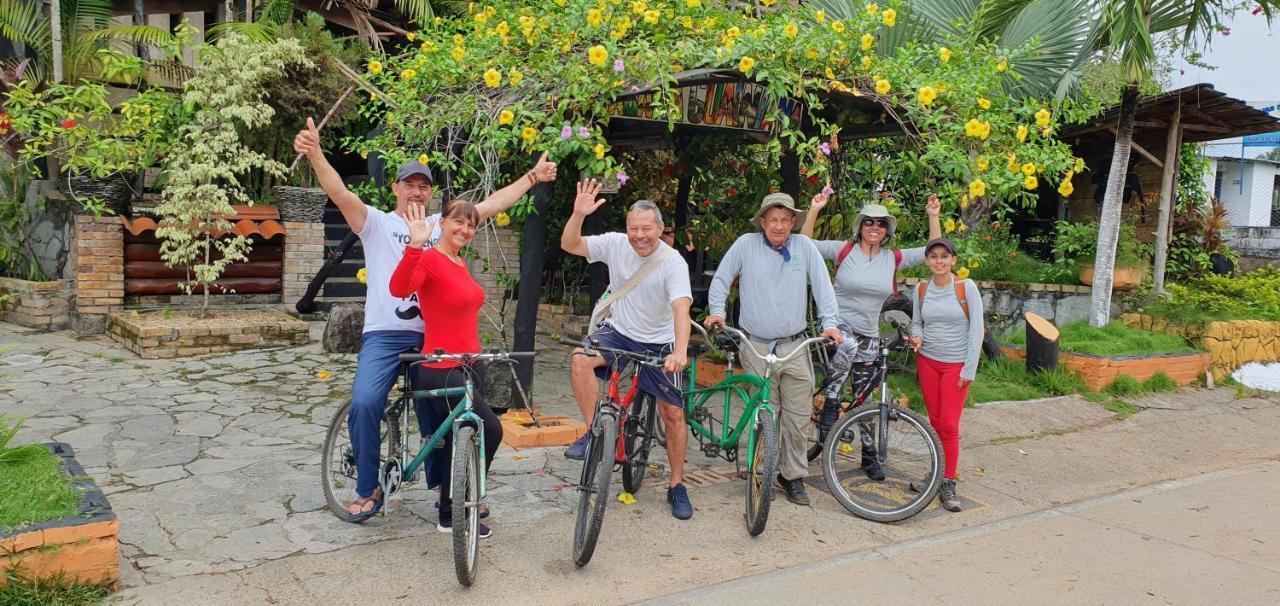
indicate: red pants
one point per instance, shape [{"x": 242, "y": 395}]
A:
[{"x": 939, "y": 382}]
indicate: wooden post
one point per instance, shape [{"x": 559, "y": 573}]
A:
[
  {"x": 529, "y": 291},
  {"x": 1042, "y": 344},
  {"x": 791, "y": 173},
  {"x": 1168, "y": 189}
]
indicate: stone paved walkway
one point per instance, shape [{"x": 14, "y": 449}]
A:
[{"x": 212, "y": 463}]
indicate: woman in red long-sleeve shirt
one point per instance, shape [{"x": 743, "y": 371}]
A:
[{"x": 450, "y": 301}]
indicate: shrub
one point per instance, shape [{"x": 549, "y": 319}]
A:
[
  {"x": 1252, "y": 296},
  {"x": 1058, "y": 382},
  {"x": 1159, "y": 382},
  {"x": 1125, "y": 385}
]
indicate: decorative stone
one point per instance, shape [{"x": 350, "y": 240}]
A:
[{"x": 343, "y": 329}]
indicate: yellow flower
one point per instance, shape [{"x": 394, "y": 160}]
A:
[
  {"x": 866, "y": 62},
  {"x": 837, "y": 27},
  {"x": 964, "y": 202},
  {"x": 867, "y": 41},
  {"x": 687, "y": 22},
  {"x": 1022, "y": 133},
  {"x": 410, "y": 36},
  {"x": 811, "y": 53},
  {"x": 1028, "y": 169},
  {"x": 746, "y": 64},
  {"x": 375, "y": 67},
  {"x": 364, "y": 153},
  {"x": 986, "y": 130},
  {"x": 362, "y": 275},
  {"x": 974, "y": 263},
  {"x": 1002, "y": 65},
  {"x": 527, "y": 22},
  {"x": 790, "y": 30},
  {"x": 599, "y": 151},
  {"x": 506, "y": 117},
  {"x": 977, "y": 188},
  {"x": 963, "y": 228},
  {"x": 1079, "y": 165},
  {"x": 927, "y": 94},
  {"x": 1030, "y": 182},
  {"x": 768, "y": 3},
  {"x": 424, "y": 159},
  {"x": 502, "y": 29},
  {"x": 428, "y": 46},
  {"x": 984, "y": 103},
  {"x": 693, "y": 3},
  {"x": 651, "y": 17},
  {"x": 676, "y": 68},
  {"x": 1042, "y": 117},
  {"x": 983, "y": 163},
  {"x": 883, "y": 87},
  {"x": 502, "y": 219},
  {"x": 639, "y": 7},
  {"x": 457, "y": 52},
  {"x": 889, "y": 16},
  {"x": 481, "y": 18},
  {"x": 324, "y": 375},
  {"x": 973, "y": 128},
  {"x": 597, "y": 55},
  {"x": 1065, "y": 188},
  {"x": 949, "y": 226},
  {"x": 873, "y": 8},
  {"x": 492, "y": 78},
  {"x": 830, "y": 74},
  {"x": 944, "y": 54},
  {"x": 595, "y": 17},
  {"x": 733, "y": 33},
  {"x": 408, "y": 74},
  {"x": 820, "y": 16},
  {"x": 528, "y": 133},
  {"x": 515, "y": 76},
  {"x": 458, "y": 40},
  {"x": 963, "y": 273}
]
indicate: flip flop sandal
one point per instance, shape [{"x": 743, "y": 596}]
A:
[{"x": 356, "y": 518}]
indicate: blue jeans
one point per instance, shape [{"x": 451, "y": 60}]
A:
[{"x": 377, "y": 368}]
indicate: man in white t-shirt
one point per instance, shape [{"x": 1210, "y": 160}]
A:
[
  {"x": 652, "y": 318},
  {"x": 392, "y": 325}
]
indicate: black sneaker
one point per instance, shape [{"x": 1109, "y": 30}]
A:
[
  {"x": 947, "y": 495},
  {"x": 871, "y": 465},
  {"x": 445, "y": 525},
  {"x": 794, "y": 490}
]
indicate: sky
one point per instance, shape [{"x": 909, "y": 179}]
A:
[{"x": 1247, "y": 69}]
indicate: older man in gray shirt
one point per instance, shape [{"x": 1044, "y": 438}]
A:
[{"x": 776, "y": 270}]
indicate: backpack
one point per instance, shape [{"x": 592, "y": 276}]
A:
[
  {"x": 960, "y": 296},
  {"x": 897, "y": 262}
]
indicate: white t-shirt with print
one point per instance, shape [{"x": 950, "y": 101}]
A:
[
  {"x": 644, "y": 313},
  {"x": 383, "y": 238}
]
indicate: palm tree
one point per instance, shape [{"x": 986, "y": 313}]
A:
[{"x": 1128, "y": 26}]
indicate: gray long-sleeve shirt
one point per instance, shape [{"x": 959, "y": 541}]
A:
[
  {"x": 863, "y": 283},
  {"x": 774, "y": 293},
  {"x": 948, "y": 335}
]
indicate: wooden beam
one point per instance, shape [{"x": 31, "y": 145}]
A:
[
  {"x": 1150, "y": 123},
  {"x": 1205, "y": 128},
  {"x": 1145, "y": 154},
  {"x": 1168, "y": 189}
]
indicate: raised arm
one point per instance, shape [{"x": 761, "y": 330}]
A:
[
  {"x": 571, "y": 240},
  {"x": 410, "y": 274},
  {"x": 307, "y": 143},
  {"x": 543, "y": 171},
  {"x": 933, "y": 208},
  {"x": 818, "y": 203},
  {"x": 823, "y": 293}
]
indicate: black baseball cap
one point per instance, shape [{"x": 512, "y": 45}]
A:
[
  {"x": 414, "y": 167},
  {"x": 943, "y": 242}
]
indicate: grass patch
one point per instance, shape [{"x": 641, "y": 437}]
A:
[
  {"x": 1125, "y": 385},
  {"x": 1114, "y": 339},
  {"x": 51, "y": 592},
  {"x": 1003, "y": 380},
  {"x": 1160, "y": 382},
  {"x": 1121, "y": 408},
  {"x": 32, "y": 485}
]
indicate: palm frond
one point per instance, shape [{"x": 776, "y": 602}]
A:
[
  {"x": 992, "y": 16},
  {"x": 1061, "y": 31},
  {"x": 945, "y": 17},
  {"x": 23, "y": 21},
  {"x": 132, "y": 35},
  {"x": 416, "y": 11},
  {"x": 257, "y": 32},
  {"x": 85, "y": 15},
  {"x": 170, "y": 71},
  {"x": 276, "y": 12}
]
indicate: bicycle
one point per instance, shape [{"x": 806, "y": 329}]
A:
[
  {"x": 758, "y": 419},
  {"x": 400, "y": 465},
  {"x": 911, "y": 459},
  {"x": 617, "y": 421}
]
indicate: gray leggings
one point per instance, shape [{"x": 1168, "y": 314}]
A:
[{"x": 850, "y": 361}]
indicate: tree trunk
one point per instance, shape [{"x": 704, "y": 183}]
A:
[
  {"x": 1168, "y": 191},
  {"x": 1042, "y": 344},
  {"x": 55, "y": 25},
  {"x": 790, "y": 165},
  {"x": 1109, "y": 222}
]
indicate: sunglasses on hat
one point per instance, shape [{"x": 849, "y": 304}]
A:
[{"x": 881, "y": 223}]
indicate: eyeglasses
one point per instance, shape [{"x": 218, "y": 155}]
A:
[{"x": 881, "y": 223}]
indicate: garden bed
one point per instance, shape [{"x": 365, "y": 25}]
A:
[
  {"x": 1230, "y": 344},
  {"x": 1099, "y": 372},
  {"x": 41, "y": 305},
  {"x": 169, "y": 334},
  {"x": 80, "y": 546}
]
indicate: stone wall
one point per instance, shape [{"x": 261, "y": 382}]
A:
[
  {"x": 1231, "y": 344},
  {"x": 1257, "y": 246},
  {"x": 303, "y": 258},
  {"x": 560, "y": 320},
  {"x": 165, "y": 342},
  {"x": 42, "y": 305},
  {"x": 99, "y": 271},
  {"x": 1004, "y": 303}
]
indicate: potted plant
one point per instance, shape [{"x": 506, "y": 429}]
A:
[{"x": 1076, "y": 245}]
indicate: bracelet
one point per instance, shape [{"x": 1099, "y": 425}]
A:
[{"x": 532, "y": 179}]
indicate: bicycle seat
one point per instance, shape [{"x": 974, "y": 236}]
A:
[{"x": 726, "y": 343}]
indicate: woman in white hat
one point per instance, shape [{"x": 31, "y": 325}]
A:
[{"x": 865, "y": 276}]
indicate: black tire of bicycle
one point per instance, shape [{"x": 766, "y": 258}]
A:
[
  {"x": 337, "y": 432},
  {"x": 760, "y": 483},
  {"x": 466, "y": 504},
  {"x": 866, "y": 412},
  {"x": 638, "y": 435},
  {"x": 597, "y": 468}
]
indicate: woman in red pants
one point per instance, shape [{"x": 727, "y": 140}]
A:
[{"x": 947, "y": 331}]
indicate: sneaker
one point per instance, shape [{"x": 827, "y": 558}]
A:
[
  {"x": 947, "y": 495},
  {"x": 445, "y": 525},
  {"x": 678, "y": 497},
  {"x": 578, "y": 450},
  {"x": 794, "y": 490},
  {"x": 871, "y": 465}
]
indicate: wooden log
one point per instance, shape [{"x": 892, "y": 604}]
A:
[
  {"x": 266, "y": 251},
  {"x": 134, "y": 270},
  {"x": 1042, "y": 344},
  {"x": 242, "y": 286}
]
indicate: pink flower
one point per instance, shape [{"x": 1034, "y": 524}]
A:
[
  {"x": 825, "y": 148},
  {"x": 622, "y": 177},
  {"x": 566, "y": 132},
  {"x": 584, "y": 132},
  {"x": 618, "y": 66},
  {"x": 827, "y": 191}
]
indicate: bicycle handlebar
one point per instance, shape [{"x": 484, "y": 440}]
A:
[
  {"x": 466, "y": 358},
  {"x": 744, "y": 339},
  {"x": 642, "y": 358}
]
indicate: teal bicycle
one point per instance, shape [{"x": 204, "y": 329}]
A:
[{"x": 400, "y": 465}]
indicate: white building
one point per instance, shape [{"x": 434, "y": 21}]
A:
[{"x": 1249, "y": 189}]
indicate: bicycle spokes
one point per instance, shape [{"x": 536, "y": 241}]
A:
[{"x": 906, "y": 449}]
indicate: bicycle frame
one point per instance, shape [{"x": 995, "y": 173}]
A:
[
  {"x": 460, "y": 415},
  {"x": 620, "y": 403}
]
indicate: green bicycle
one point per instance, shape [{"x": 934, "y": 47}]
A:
[
  {"x": 400, "y": 465},
  {"x": 720, "y": 436}
]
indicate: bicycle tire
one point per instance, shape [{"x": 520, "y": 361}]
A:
[
  {"x": 597, "y": 467},
  {"x": 466, "y": 504},
  {"x": 760, "y": 471},
  {"x": 337, "y": 463},
  {"x": 637, "y": 436},
  {"x": 902, "y": 472}
]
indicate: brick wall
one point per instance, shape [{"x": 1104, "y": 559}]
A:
[
  {"x": 42, "y": 305},
  {"x": 99, "y": 271},
  {"x": 303, "y": 257}
]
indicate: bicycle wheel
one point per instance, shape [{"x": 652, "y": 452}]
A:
[
  {"x": 594, "y": 487},
  {"x": 910, "y": 455},
  {"x": 338, "y": 460},
  {"x": 466, "y": 504},
  {"x": 760, "y": 472},
  {"x": 637, "y": 435}
]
